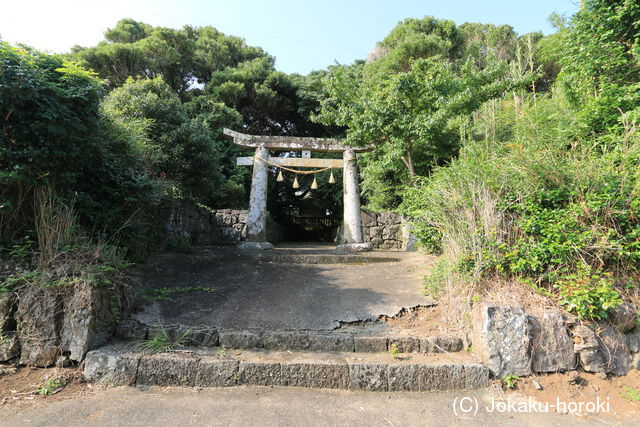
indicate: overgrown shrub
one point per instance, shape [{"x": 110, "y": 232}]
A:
[
  {"x": 53, "y": 135},
  {"x": 539, "y": 208},
  {"x": 590, "y": 295},
  {"x": 64, "y": 256}
]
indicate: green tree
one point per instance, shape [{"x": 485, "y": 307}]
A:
[
  {"x": 413, "y": 39},
  {"x": 182, "y": 57},
  {"x": 53, "y": 134},
  {"x": 181, "y": 150},
  {"x": 412, "y": 118},
  {"x": 483, "y": 42},
  {"x": 128, "y": 31},
  {"x": 266, "y": 98}
]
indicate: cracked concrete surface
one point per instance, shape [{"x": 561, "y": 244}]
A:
[{"x": 252, "y": 291}]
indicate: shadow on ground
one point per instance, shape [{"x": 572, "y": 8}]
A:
[{"x": 253, "y": 291}]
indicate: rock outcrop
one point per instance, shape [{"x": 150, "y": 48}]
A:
[
  {"x": 502, "y": 339},
  {"x": 602, "y": 350},
  {"x": 38, "y": 321},
  {"x": 551, "y": 346},
  {"x": 9, "y": 344}
]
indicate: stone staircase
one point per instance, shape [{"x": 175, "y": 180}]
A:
[{"x": 208, "y": 357}]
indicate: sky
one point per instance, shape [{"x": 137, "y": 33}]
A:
[{"x": 303, "y": 35}]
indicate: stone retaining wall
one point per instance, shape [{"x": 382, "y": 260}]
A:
[
  {"x": 42, "y": 326},
  {"x": 387, "y": 230},
  {"x": 511, "y": 341},
  {"x": 203, "y": 226}
]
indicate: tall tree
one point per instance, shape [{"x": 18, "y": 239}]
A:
[{"x": 410, "y": 117}]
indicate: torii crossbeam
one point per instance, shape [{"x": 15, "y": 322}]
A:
[{"x": 257, "y": 214}]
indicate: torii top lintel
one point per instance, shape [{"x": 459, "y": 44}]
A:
[{"x": 291, "y": 143}]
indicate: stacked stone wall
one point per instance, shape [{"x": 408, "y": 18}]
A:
[
  {"x": 387, "y": 231},
  {"x": 203, "y": 226}
]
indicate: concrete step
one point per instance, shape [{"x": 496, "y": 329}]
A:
[
  {"x": 327, "y": 341},
  {"x": 117, "y": 365},
  {"x": 326, "y": 259}
]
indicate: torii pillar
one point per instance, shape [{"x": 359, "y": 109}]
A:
[
  {"x": 352, "y": 232},
  {"x": 257, "y": 214}
]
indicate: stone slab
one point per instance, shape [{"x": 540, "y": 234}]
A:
[
  {"x": 252, "y": 294},
  {"x": 109, "y": 366},
  {"x": 330, "y": 375},
  {"x": 363, "y": 344},
  {"x": 255, "y": 246},
  {"x": 354, "y": 247},
  {"x": 117, "y": 367},
  {"x": 441, "y": 345},
  {"x": 276, "y": 340},
  {"x": 240, "y": 339},
  {"x": 502, "y": 339},
  {"x": 196, "y": 336},
  {"x": 551, "y": 345},
  {"x": 167, "y": 370},
  {"x": 217, "y": 373},
  {"x": 297, "y": 374},
  {"x": 405, "y": 344},
  {"x": 368, "y": 376},
  {"x": 335, "y": 342},
  {"x": 260, "y": 373}
]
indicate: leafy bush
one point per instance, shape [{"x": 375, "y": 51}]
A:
[
  {"x": 54, "y": 135},
  {"x": 186, "y": 153},
  {"x": 538, "y": 209},
  {"x": 590, "y": 295}
]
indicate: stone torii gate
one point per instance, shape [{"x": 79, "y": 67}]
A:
[{"x": 257, "y": 215}]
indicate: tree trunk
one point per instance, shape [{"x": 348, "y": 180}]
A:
[{"x": 408, "y": 161}]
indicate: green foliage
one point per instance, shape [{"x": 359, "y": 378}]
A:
[
  {"x": 414, "y": 39},
  {"x": 482, "y": 42},
  {"x": 545, "y": 189},
  {"x": 534, "y": 205},
  {"x": 176, "y": 89},
  {"x": 437, "y": 277},
  {"x": 511, "y": 381},
  {"x": 128, "y": 31},
  {"x": 561, "y": 227},
  {"x": 601, "y": 69},
  {"x": 590, "y": 295},
  {"x": 151, "y": 102},
  {"x": 163, "y": 341},
  {"x": 177, "y": 149},
  {"x": 55, "y": 135},
  {"x": 182, "y": 57},
  {"x": 222, "y": 352},
  {"x": 80, "y": 262},
  {"x": 630, "y": 394},
  {"x": 412, "y": 118},
  {"x": 50, "y": 386},
  {"x": 49, "y": 116},
  {"x": 393, "y": 351},
  {"x": 267, "y": 99}
]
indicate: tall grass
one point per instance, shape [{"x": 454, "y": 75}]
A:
[
  {"x": 534, "y": 203},
  {"x": 54, "y": 226}
]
